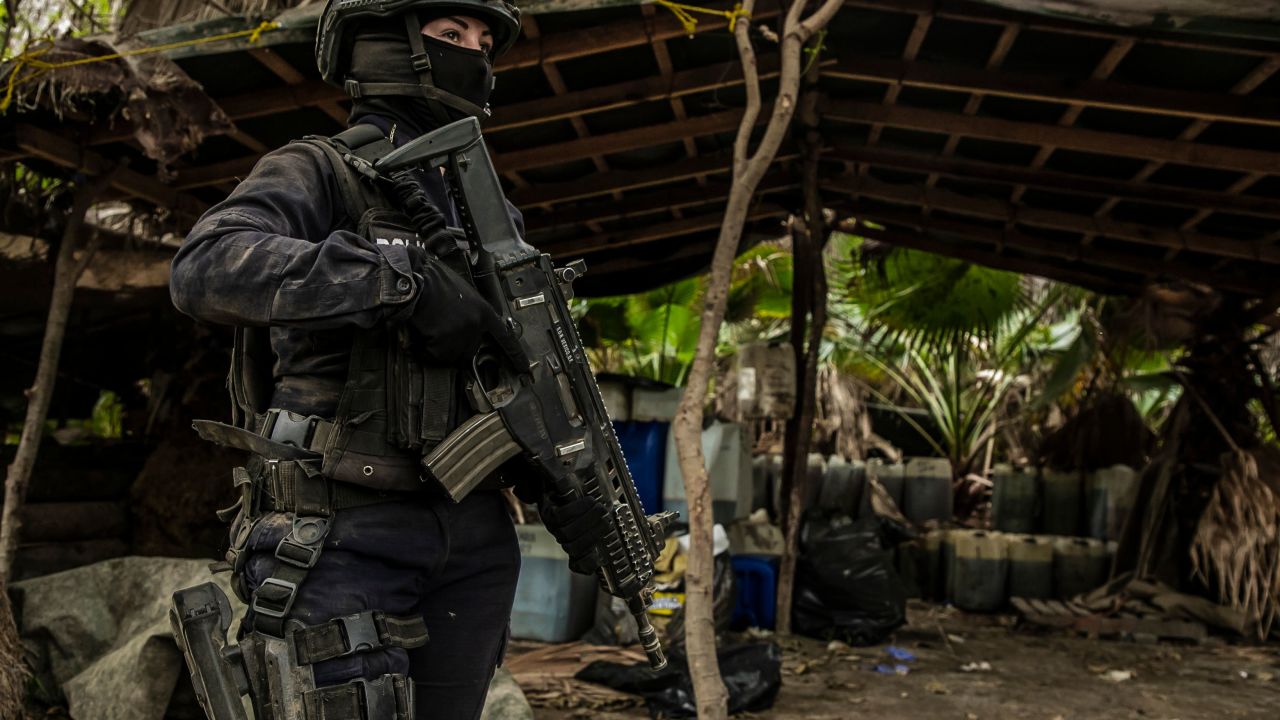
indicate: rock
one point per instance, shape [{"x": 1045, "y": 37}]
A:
[{"x": 506, "y": 701}]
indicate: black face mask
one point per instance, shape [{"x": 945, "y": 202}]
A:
[
  {"x": 383, "y": 55},
  {"x": 461, "y": 71}
]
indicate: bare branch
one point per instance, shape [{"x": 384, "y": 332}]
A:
[
  {"x": 820, "y": 17},
  {"x": 751, "y": 78},
  {"x": 794, "y": 12}
]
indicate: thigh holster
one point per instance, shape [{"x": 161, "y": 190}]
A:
[{"x": 276, "y": 672}]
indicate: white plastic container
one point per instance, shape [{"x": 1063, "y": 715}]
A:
[
  {"x": 617, "y": 400},
  {"x": 649, "y": 404},
  {"x": 728, "y": 462},
  {"x": 552, "y": 603}
]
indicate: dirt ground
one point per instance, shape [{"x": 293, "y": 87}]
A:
[{"x": 1032, "y": 674}]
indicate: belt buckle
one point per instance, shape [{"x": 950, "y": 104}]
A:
[
  {"x": 273, "y": 612},
  {"x": 289, "y": 428},
  {"x": 360, "y": 631}
]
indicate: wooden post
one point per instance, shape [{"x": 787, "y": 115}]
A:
[
  {"x": 809, "y": 302},
  {"x": 748, "y": 170},
  {"x": 67, "y": 270},
  {"x": 13, "y": 673}
]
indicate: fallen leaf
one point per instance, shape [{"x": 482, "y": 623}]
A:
[
  {"x": 937, "y": 688},
  {"x": 1118, "y": 675}
]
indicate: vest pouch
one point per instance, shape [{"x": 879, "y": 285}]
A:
[{"x": 360, "y": 450}]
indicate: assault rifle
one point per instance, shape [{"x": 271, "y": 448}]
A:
[{"x": 551, "y": 411}]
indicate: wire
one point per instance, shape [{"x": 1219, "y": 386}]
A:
[
  {"x": 684, "y": 13},
  {"x": 31, "y": 58}
]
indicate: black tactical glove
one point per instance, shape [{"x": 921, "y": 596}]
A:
[
  {"x": 577, "y": 525},
  {"x": 453, "y": 319}
]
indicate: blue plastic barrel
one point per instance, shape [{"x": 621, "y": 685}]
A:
[
  {"x": 644, "y": 443},
  {"x": 757, "y": 579}
]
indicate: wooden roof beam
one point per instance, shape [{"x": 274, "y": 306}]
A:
[
  {"x": 519, "y": 160},
  {"x": 1103, "y": 70},
  {"x": 909, "y": 52},
  {"x": 652, "y": 202},
  {"x": 65, "y": 152},
  {"x": 1009, "y": 238},
  {"x": 581, "y": 148},
  {"x": 613, "y": 36},
  {"x": 652, "y": 233},
  {"x": 949, "y": 248},
  {"x": 288, "y": 73},
  {"x": 998, "y": 53},
  {"x": 1096, "y": 92},
  {"x": 665, "y": 73},
  {"x": 547, "y": 194},
  {"x": 983, "y": 13},
  {"x": 1072, "y": 138},
  {"x": 1010, "y": 214},
  {"x": 1255, "y": 77},
  {"x": 633, "y": 92},
  {"x": 1092, "y": 186}
]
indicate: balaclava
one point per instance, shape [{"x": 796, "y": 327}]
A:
[{"x": 460, "y": 79}]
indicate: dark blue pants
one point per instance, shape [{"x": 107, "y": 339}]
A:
[{"x": 454, "y": 565}]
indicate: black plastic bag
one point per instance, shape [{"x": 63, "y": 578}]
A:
[
  {"x": 724, "y": 594},
  {"x": 752, "y": 674},
  {"x": 613, "y": 624},
  {"x": 846, "y": 586}
]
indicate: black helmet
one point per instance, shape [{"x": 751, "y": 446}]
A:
[{"x": 333, "y": 39}]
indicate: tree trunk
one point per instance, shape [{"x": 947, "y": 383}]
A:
[
  {"x": 807, "y": 246},
  {"x": 748, "y": 170},
  {"x": 67, "y": 270},
  {"x": 13, "y": 671}
]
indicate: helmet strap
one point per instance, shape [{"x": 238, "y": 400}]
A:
[{"x": 436, "y": 98}]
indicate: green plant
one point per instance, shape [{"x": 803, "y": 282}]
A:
[{"x": 653, "y": 334}]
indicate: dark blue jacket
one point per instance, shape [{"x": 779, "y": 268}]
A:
[{"x": 281, "y": 252}]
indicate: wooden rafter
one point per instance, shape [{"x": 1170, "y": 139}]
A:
[
  {"x": 1087, "y": 185},
  {"x": 596, "y": 185},
  {"x": 1094, "y": 257},
  {"x": 918, "y": 33},
  {"x": 1010, "y": 214},
  {"x": 612, "y": 36},
  {"x": 291, "y": 76},
  {"x": 1103, "y": 70},
  {"x": 674, "y": 228},
  {"x": 665, "y": 73},
  {"x": 1078, "y": 94},
  {"x": 998, "y": 53},
  {"x": 1255, "y": 77},
  {"x": 1073, "y": 138},
  {"x": 65, "y": 152},
  {"x": 654, "y": 201},
  {"x": 969, "y": 253},
  {"x": 624, "y": 94},
  {"x": 984, "y": 13},
  {"x": 622, "y": 141}
]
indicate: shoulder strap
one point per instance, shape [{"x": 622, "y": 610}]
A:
[
  {"x": 348, "y": 152},
  {"x": 249, "y": 380}
]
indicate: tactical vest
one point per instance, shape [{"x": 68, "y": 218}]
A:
[{"x": 392, "y": 408}]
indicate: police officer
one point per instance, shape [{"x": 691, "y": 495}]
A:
[{"x": 354, "y": 314}]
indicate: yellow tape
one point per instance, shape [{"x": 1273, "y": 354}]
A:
[
  {"x": 31, "y": 58},
  {"x": 684, "y": 13}
]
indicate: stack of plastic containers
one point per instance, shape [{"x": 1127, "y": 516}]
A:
[{"x": 552, "y": 603}]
